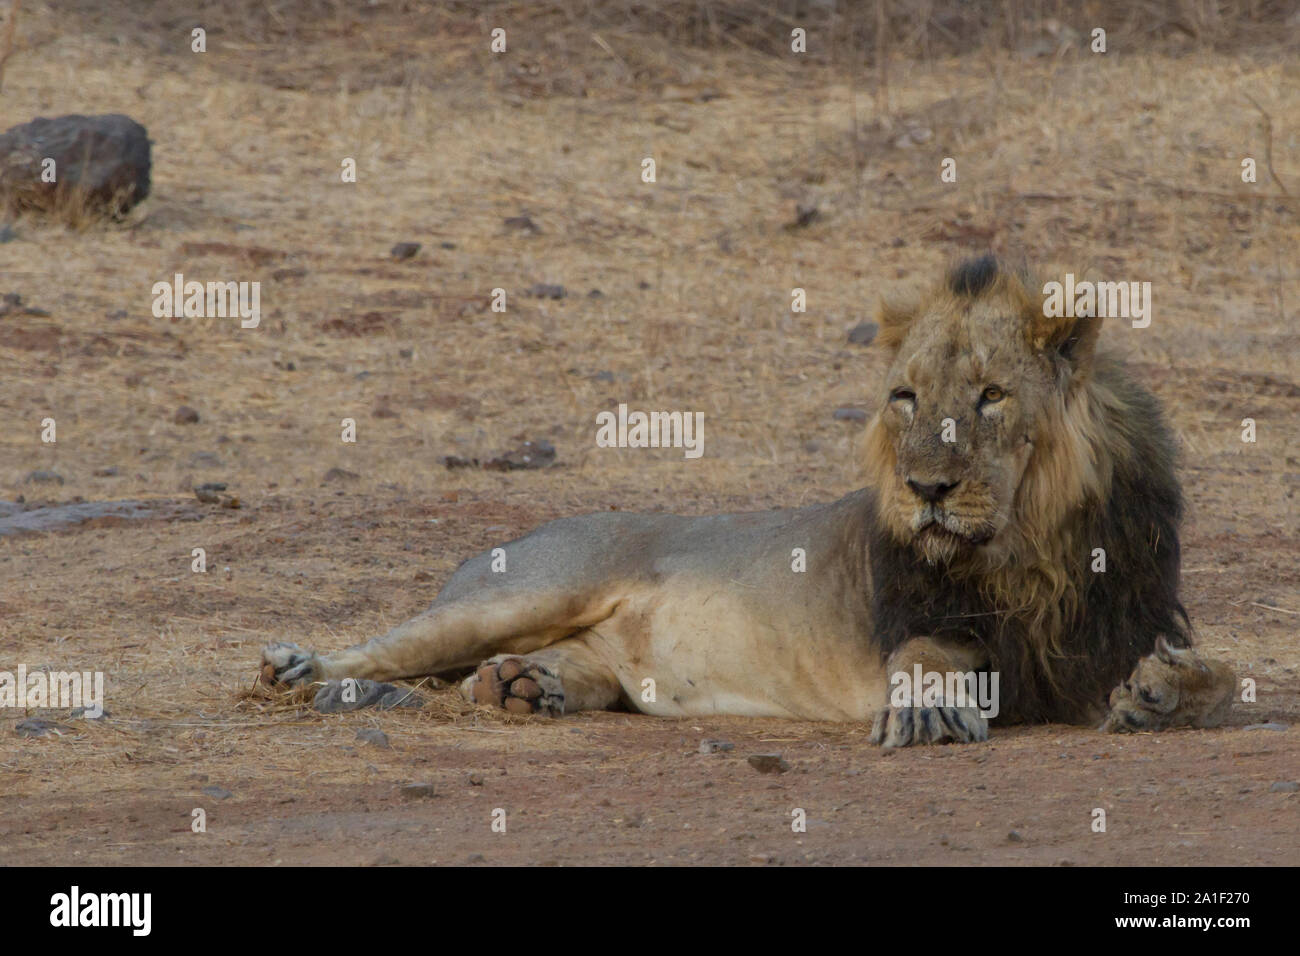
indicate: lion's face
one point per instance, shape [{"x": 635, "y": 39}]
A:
[{"x": 973, "y": 384}]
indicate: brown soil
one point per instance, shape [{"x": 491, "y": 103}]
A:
[{"x": 1131, "y": 162}]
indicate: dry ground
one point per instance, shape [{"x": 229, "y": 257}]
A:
[{"x": 1128, "y": 161}]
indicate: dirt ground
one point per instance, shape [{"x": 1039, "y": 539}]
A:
[{"x": 677, "y": 296}]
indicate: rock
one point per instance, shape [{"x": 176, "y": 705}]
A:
[
  {"x": 80, "y": 713},
  {"x": 476, "y": 780},
  {"x": 768, "y": 763},
  {"x": 405, "y": 250},
  {"x": 1284, "y": 786},
  {"x": 102, "y": 164},
  {"x": 542, "y": 290},
  {"x": 331, "y": 699},
  {"x": 530, "y": 454},
  {"x": 39, "y": 727},
  {"x": 185, "y": 416},
  {"x": 417, "y": 791},
  {"x": 374, "y": 737},
  {"x": 804, "y": 216},
  {"x": 716, "y": 746},
  {"x": 475, "y": 858},
  {"x": 1015, "y": 837},
  {"x": 1268, "y": 726},
  {"x": 43, "y": 478},
  {"x": 849, "y": 415},
  {"x": 538, "y": 454},
  {"x": 864, "y": 333},
  {"x": 217, "y": 793},
  {"x": 522, "y": 224},
  {"x": 340, "y": 474},
  {"x": 110, "y": 472},
  {"x": 12, "y": 304}
]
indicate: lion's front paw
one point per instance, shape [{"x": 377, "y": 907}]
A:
[
  {"x": 904, "y": 726},
  {"x": 286, "y": 663},
  {"x": 516, "y": 684}
]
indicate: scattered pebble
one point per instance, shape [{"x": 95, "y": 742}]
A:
[
  {"x": 185, "y": 416},
  {"x": 1284, "y": 786},
  {"x": 417, "y": 791},
  {"x": 768, "y": 763},
  {"x": 1015, "y": 837},
  {"x": 39, "y": 477},
  {"x": 340, "y": 474},
  {"x": 39, "y": 727},
  {"x": 542, "y": 290},
  {"x": 217, "y": 793},
  {"x": 405, "y": 250},
  {"x": 1269, "y": 726},
  {"x": 375, "y": 737},
  {"x": 522, "y": 224},
  {"x": 716, "y": 746},
  {"x": 864, "y": 333},
  {"x": 476, "y": 779}
]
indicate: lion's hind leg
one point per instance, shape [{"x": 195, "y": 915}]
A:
[
  {"x": 1173, "y": 687},
  {"x": 564, "y": 678}
]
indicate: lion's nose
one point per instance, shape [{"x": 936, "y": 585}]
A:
[{"x": 932, "y": 492}]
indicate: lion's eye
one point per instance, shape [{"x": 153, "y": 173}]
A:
[
  {"x": 992, "y": 394},
  {"x": 902, "y": 395}
]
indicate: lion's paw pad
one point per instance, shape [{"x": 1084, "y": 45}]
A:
[
  {"x": 905, "y": 726},
  {"x": 287, "y": 663},
  {"x": 517, "y": 685}
]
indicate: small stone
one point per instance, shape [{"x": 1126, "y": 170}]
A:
[
  {"x": 768, "y": 763},
  {"x": 40, "y": 477},
  {"x": 475, "y": 858},
  {"x": 217, "y": 793},
  {"x": 110, "y": 472},
  {"x": 39, "y": 727},
  {"x": 417, "y": 791},
  {"x": 716, "y": 746},
  {"x": 849, "y": 415},
  {"x": 476, "y": 779},
  {"x": 185, "y": 416},
  {"x": 1268, "y": 726},
  {"x": 1015, "y": 837},
  {"x": 405, "y": 250},
  {"x": 374, "y": 737},
  {"x": 542, "y": 290},
  {"x": 864, "y": 333},
  {"x": 1284, "y": 786},
  {"x": 522, "y": 224},
  {"x": 340, "y": 474}
]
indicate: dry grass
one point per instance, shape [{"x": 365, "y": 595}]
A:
[{"x": 1129, "y": 161}]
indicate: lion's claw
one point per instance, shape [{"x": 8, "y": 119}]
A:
[{"x": 905, "y": 726}]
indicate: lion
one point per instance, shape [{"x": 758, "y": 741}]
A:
[{"x": 1019, "y": 521}]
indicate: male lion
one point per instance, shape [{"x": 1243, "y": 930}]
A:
[{"x": 1007, "y": 452}]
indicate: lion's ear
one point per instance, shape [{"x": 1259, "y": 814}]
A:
[
  {"x": 895, "y": 315},
  {"x": 1070, "y": 340},
  {"x": 1076, "y": 341}
]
